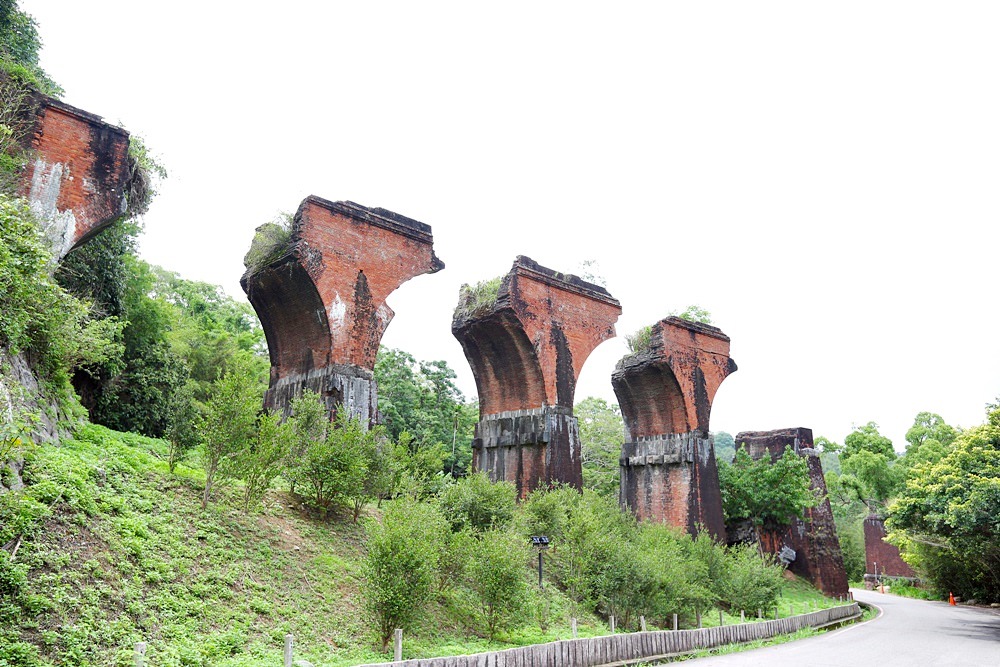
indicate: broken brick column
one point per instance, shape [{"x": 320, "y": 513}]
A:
[
  {"x": 321, "y": 300},
  {"x": 526, "y": 341},
  {"x": 814, "y": 540},
  {"x": 668, "y": 470},
  {"x": 79, "y": 174},
  {"x": 881, "y": 558}
]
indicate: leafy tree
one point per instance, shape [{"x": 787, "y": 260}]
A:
[
  {"x": 308, "y": 424},
  {"x": 497, "y": 576},
  {"x": 334, "y": 469},
  {"x": 478, "y": 504},
  {"x": 867, "y": 438},
  {"x": 422, "y": 400},
  {"x": 601, "y": 434},
  {"x": 867, "y": 462},
  {"x": 725, "y": 446},
  {"x": 400, "y": 567},
  {"x": 259, "y": 464},
  {"x": 945, "y": 516},
  {"x": 229, "y": 427},
  {"x": 751, "y": 581},
  {"x": 768, "y": 493},
  {"x": 19, "y": 47},
  {"x": 928, "y": 440},
  {"x": 694, "y": 313},
  {"x": 182, "y": 425}
]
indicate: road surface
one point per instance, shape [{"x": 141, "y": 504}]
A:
[{"x": 909, "y": 633}]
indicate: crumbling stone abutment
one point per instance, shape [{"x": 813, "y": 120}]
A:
[
  {"x": 526, "y": 337},
  {"x": 813, "y": 539},
  {"x": 79, "y": 173},
  {"x": 320, "y": 297},
  {"x": 668, "y": 470}
]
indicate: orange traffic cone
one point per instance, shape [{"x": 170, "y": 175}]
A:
[{"x": 951, "y": 599}]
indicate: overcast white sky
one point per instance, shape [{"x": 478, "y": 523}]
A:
[{"x": 822, "y": 177}]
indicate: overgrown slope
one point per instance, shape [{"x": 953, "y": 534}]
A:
[{"x": 113, "y": 550}]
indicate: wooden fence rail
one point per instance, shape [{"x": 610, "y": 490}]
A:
[{"x": 624, "y": 649}]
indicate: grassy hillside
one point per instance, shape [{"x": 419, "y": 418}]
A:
[{"x": 111, "y": 550}]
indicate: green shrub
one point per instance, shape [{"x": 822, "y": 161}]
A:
[
  {"x": 479, "y": 298},
  {"x": 270, "y": 243},
  {"x": 476, "y": 503},
  {"x": 640, "y": 341},
  {"x": 497, "y": 575},
  {"x": 400, "y": 568},
  {"x": 750, "y": 582}
]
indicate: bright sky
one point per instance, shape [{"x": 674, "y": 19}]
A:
[{"x": 822, "y": 177}]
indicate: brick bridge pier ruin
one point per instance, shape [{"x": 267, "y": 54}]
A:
[
  {"x": 814, "y": 540},
  {"x": 526, "y": 345},
  {"x": 79, "y": 175},
  {"x": 321, "y": 300},
  {"x": 668, "y": 470}
]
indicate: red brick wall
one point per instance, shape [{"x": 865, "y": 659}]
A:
[
  {"x": 670, "y": 387},
  {"x": 877, "y": 550},
  {"x": 666, "y": 391},
  {"x": 92, "y": 172},
  {"x": 526, "y": 351},
  {"x": 322, "y": 305}
]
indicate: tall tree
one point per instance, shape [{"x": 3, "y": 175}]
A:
[
  {"x": 602, "y": 432},
  {"x": 421, "y": 399},
  {"x": 868, "y": 464},
  {"x": 946, "y": 519}
]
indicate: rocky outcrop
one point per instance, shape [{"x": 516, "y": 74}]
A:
[
  {"x": 668, "y": 469},
  {"x": 811, "y": 543},
  {"x": 321, "y": 298},
  {"x": 526, "y": 343}
]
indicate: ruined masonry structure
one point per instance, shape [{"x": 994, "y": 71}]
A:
[
  {"x": 79, "y": 176},
  {"x": 814, "y": 539},
  {"x": 882, "y": 555},
  {"x": 526, "y": 349},
  {"x": 668, "y": 470},
  {"x": 322, "y": 301}
]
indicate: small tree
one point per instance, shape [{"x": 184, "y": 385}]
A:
[
  {"x": 497, "y": 575},
  {"x": 766, "y": 493},
  {"x": 400, "y": 566},
  {"x": 259, "y": 464},
  {"x": 751, "y": 581},
  {"x": 230, "y": 422},
  {"x": 182, "y": 425},
  {"x": 477, "y": 503},
  {"x": 308, "y": 425}
]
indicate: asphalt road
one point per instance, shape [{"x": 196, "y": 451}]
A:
[{"x": 909, "y": 633}]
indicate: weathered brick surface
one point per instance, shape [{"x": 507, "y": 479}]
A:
[
  {"x": 814, "y": 539},
  {"x": 322, "y": 303},
  {"x": 668, "y": 469},
  {"x": 526, "y": 351},
  {"x": 881, "y": 554},
  {"x": 79, "y": 174}
]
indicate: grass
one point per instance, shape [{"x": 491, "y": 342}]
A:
[
  {"x": 479, "y": 298},
  {"x": 114, "y": 550},
  {"x": 640, "y": 341}
]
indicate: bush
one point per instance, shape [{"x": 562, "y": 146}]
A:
[
  {"x": 640, "y": 341},
  {"x": 751, "y": 581},
  {"x": 476, "y": 503},
  {"x": 497, "y": 575},
  {"x": 400, "y": 568},
  {"x": 479, "y": 298}
]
